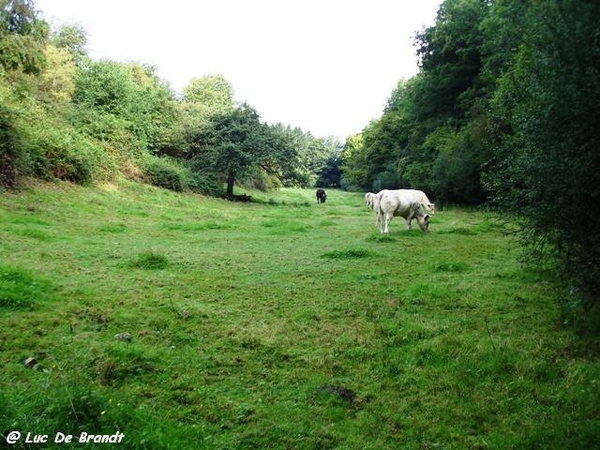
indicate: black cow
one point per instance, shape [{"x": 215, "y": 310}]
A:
[{"x": 321, "y": 195}]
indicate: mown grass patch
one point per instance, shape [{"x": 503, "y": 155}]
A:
[{"x": 296, "y": 327}]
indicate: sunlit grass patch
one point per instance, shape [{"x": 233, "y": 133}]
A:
[
  {"x": 295, "y": 328},
  {"x": 33, "y": 233},
  {"x": 284, "y": 227},
  {"x": 327, "y": 223},
  {"x": 420, "y": 293},
  {"x": 29, "y": 220},
  {"x": 20, "y": 288},
  {"x": 462, "y": 231}
]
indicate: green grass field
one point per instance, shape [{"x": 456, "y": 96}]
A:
[{"x": 280, "y": 324}]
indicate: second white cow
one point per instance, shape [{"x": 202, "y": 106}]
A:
[
  {"x": 369, "y": 199},
  {"x": 400, "y": 203},
  {"x": 415, "y": 195}
]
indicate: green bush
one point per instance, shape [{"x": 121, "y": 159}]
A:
[
  {"x": 57, "y": 152},
  {"x": 165, "y": 173},
  {"x": 113, "y": 132},
  {"x": 205, "y": 183},
  {"x": 203, "y": 180},
  {"x": 545, "y": 170}
]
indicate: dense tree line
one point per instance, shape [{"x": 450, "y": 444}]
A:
[
  {"x": 66, "y": 116},
  {"x": 504, "y": 110}
]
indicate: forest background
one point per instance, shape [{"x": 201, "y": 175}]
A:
[{"x": 503, "y": 113}]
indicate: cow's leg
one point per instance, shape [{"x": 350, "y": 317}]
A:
[
  {"x": 409, "y": 219},
  {"x": 386, "y": 225}
]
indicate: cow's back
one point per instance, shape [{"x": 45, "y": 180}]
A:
[
  {"x": 395, "y": 202},
  {"x": 415, "y": 195}
]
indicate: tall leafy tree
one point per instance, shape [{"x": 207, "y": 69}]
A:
[
  {"x": 213, "y": 92},
  {"x": 56, "y": 83},
  {"x": 112, "y": 96},
  {"x": 108, "y": 87},
  {"x": 22, "y": 37},
  {"x": 544, "y": 122},
  {"x": 423, "y": 138},
  {"x": 450, "y": 52},
  {"x": 331, "y": 174},
  {"x": 235, "y": 144},
  {"x": 203, "y": 98},
  {"x": 353, "y": 169},
  {"x": 327, "y": 167},
  {"x": 74, "y": 39}
]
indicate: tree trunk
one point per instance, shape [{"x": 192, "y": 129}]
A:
[{"x": 230, "y": 182}]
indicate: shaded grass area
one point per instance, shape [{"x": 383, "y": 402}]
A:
[{"x": 279, "y": 324}]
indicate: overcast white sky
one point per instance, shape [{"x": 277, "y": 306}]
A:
[{"x": 326, "y": 66}]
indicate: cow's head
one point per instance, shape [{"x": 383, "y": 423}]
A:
[{"x": 423, "y": 219}]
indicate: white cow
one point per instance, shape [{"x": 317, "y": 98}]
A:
[
  {"x": 414, "y": 195},
  {"x": 419, "y": 196},
  {"x": 372, "y": 202},
  {"x": 403, "y": 204},
  {"x": 369, "y": 199}
]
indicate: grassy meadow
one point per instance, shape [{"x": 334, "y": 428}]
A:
[{"x": 280, "y": 324}]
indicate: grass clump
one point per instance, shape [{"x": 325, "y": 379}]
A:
[
  {"x": 380, "y": 238},
  {"x": 348, "y": 254},
  {"x": 451, "y": 267},
  {"x": 150, "y": 260},
  {"x": 113, "y": 228}
]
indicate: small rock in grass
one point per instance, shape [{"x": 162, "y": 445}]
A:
[
  {"x": 31, "y": 362},
  {"x": 123, "y": 337}
]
